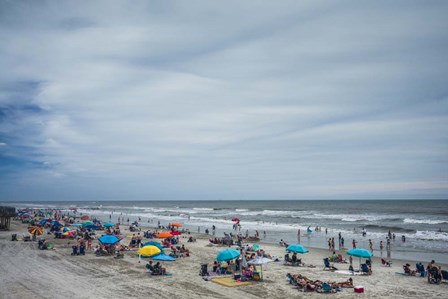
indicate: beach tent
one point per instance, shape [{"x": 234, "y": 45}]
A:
[
  {"x": 297, "y": 248},
  {"x": 227, "y": 255},
  {"x": 260, "y": 261},
  {"x": 163, "y": 257}
]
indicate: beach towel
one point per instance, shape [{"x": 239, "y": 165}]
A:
[
  {"x": 230, "y": 282},
  {"x": 347, "y": 272}
]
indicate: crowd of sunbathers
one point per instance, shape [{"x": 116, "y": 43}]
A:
[
  {"x": 434, "y": 273},
  {"x": 307, "y": 285}
]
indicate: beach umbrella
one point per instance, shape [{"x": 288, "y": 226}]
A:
[
  {"x": 66, "y": 229},
  {"x": 109, "y": 224},
  {"x": 235, "y": 219},
  {"x": 43, "y": 221},
  {"x": 163, "y": 257},
  {"x": 148, "y": 251},
  {"x": 109, "y": 239},
  {"x": 176, "y": 224},
  {"x": 69, "y": 234},
  {"x": 85, "y": 217},
  {"x": 35, "y": 230},
  {"x": 55, "y": 222},
  {"x": 361, "y": 253},
  {"x": 227, "y": 255},
  {"x": 154, "y": 243},
  {"x": 297, "y": 248},
  {"x": 87, "y": 223},
  {"x": 255, "y": 247},
  {"x": 176, "y": 233},
  {"x": 164, "y": 235},
  {"x": 77, "y": 224},
  {"x": 260, "y": 260}
]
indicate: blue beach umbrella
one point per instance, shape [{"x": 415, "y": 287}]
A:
[
  {"x": 55, "y": 222},
  {"x": 227, "y": 255},
  {"x": 163, "y": 257},
  {"x": 361, "y": 253},
  {"x": 43, "y": 221},
  {"x": 109, "y": 224},
  {"x": 108, "y": 239},
  {"x": 297, "y": 248},
  {"x": 77, "y": 224}
]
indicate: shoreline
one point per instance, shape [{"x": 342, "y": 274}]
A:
[{"x": 32, "y": 273}]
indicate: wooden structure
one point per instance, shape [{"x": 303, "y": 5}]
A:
[{"x": 6, "y": 213}]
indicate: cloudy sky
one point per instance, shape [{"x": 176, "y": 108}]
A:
[{"x": 148, "y": 100}]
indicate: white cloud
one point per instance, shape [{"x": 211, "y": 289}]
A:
[{"x": 198, "y": 101}]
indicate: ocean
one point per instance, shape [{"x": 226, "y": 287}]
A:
[{"x": 423, "y": 223}]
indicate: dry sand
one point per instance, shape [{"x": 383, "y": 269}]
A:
[{"x": 26, "y": 272}]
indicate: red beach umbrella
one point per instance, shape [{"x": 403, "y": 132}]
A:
[{"x": 235, "y": 219}]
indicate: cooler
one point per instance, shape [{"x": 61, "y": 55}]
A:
[{"x": 359, "y": 289}]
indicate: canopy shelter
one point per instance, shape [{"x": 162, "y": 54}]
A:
[
  {"x": 260, "y": 261},
  {"x": 109, "y": 239}
]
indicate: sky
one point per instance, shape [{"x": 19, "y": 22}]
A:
[{"x": 206, "y": 100}]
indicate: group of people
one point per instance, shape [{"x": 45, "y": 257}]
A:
[
  {"x": 307, "y": 285},
  {"x": 433, "y": 272}
]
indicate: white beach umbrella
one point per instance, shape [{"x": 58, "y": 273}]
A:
[{"x": 260, "y": 260}]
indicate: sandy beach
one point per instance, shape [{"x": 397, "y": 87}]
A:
[{"x": 27, "y": 272}]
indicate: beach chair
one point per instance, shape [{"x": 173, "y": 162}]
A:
[
  {"x": 204, "y": 270},
  {"x": 444, "y": 276},
  {"x": 434, "y": 276},
  {"x": 326, "y": 288},
  {"x": 327, "y": 265},
  {"x": 365, "y": 270},
  {"x": 420, "y": 269},
  {"x": 386, "y": 263}
]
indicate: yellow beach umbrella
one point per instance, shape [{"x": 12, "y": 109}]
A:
[
  {"x": 148, "y": 251},
  {"x": 35, "y": 230}
]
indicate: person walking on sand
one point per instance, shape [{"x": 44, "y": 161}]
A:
[
  {"x": 370, "y": 245},
  {"x": 381, "y": 245},
  {"x": 354, "y": 243},
  {"x": 298, "y": 236}
]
